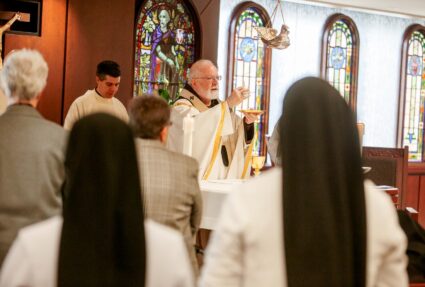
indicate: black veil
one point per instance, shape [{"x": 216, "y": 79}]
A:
[
  {"x": 323, "y": 194},
  {"x": 102, "y": 241}
]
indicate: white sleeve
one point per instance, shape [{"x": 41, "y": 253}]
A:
[
  {"x": 184, "y": 107},
  {"x": 71, "y": 117},
  {"x": 223, "y": 264},
  {"x": 387, "y": 243},
  {"x": 392, "y": 271},
  {"x": 16, "y": 269}
]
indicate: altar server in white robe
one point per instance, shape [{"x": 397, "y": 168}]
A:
[
  {"x": 101, "y": 99},
  {"x": 220, "y": 140}
]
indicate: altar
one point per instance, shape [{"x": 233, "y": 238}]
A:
[{"x": 214, "y": 194}]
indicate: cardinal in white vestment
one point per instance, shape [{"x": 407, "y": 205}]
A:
[{"x": 220, "y": 139}]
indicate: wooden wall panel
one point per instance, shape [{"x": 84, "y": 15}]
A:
[
  {"x": 51, "y": 44},
  {"x": 421, "y": 202},
  {"x": 413, "y": 184},
  {"x": 98, "y": 30},
  {"x": 209, "y": 26},
  {"x": 416, "y": 189}
]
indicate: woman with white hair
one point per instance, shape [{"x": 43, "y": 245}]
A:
[{"x": 31, "y": 149}]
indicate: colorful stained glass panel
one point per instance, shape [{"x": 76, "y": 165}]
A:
[
  {"x": 165, "y": 38},
  {"x": 339, "y": 55},
  {"x": 249, "y": 58},
  {"x": 413, "y": 131}
]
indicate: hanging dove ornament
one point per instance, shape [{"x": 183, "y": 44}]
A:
[{"x": 270, "y": 36}]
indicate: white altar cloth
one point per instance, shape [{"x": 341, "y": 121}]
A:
[{"x": 214, "y": 193}]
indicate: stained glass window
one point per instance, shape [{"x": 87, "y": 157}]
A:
[
  {"x": 165, "y": 47},
  {"x": 341, "y": 56},
  {"x": 249, "y": 69},
  {"x": 414, "y": 89}
]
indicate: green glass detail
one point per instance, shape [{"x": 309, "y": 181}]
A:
[{"x": 248, "y": 63}]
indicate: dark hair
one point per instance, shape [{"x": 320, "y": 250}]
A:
[
  {"x": 102, "y": 240},
  {"x": 324, "y": 213},
  {"x": 148, "y": 116},
  {"x": 109, "y": 68}
]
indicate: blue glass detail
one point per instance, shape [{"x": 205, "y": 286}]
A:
[
  {"x": 248, "y": 49},
  {"x": 411, "y": 137},
  {"x": 337, "y": 58}
]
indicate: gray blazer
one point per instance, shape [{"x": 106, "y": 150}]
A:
[
  {"x": 31, "y": 171},
  {"x": 170, "y": 189}
]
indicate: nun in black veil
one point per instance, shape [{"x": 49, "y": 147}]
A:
[
  {"x": 102, "y": 231},
  {"x": 102, "y": 239},
  {"x": 314, "y": 222}
]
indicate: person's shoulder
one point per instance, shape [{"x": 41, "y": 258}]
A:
[
  {"x": 376, "y": 198},
  {"x": 80, "y": 100},
  {"x": 160, "y": 150},
  {"x": 55, "y": 127},
  {"x": 180, "y": 157},
  {"x": 184, "y": 162},
  {"x": 84, "y": 97},
  {"x": 259, "y": 191},
  {"x": 150, "y": 145},
  {"x": 57, "y": 135},
  {"x": 255, "y": 186},
  {"x": 42, "y": 125},
  {"x": 182, "y": 102},
  {"x": 41, "y": 231},
  {"x": 380, "y": 209},
  {"x": 118, "y": 102}
]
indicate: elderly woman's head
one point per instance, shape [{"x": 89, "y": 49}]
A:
[{"x": 24, "y": 74}]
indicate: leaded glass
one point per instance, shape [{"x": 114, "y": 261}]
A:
[
  {"x": 165, "y": 39},
  {"x": 340, "y": 58},
  {"x": 248, "y": 67},
  {"x": 413, "y": 130}
]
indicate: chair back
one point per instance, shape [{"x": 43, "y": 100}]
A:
[{"x": 389, "y": 167}]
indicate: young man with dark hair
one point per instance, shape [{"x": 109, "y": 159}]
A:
[{"x": 102, "y": 98}]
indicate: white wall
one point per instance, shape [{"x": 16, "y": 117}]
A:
[{"x": 379, "y": 66}]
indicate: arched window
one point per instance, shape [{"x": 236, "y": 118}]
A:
[
  {"x": 249, "y": 65},
  {"x": 340, "y": 53},
  {"x": 412, "y": 92},
  {"x": 167, "y": 43}
]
